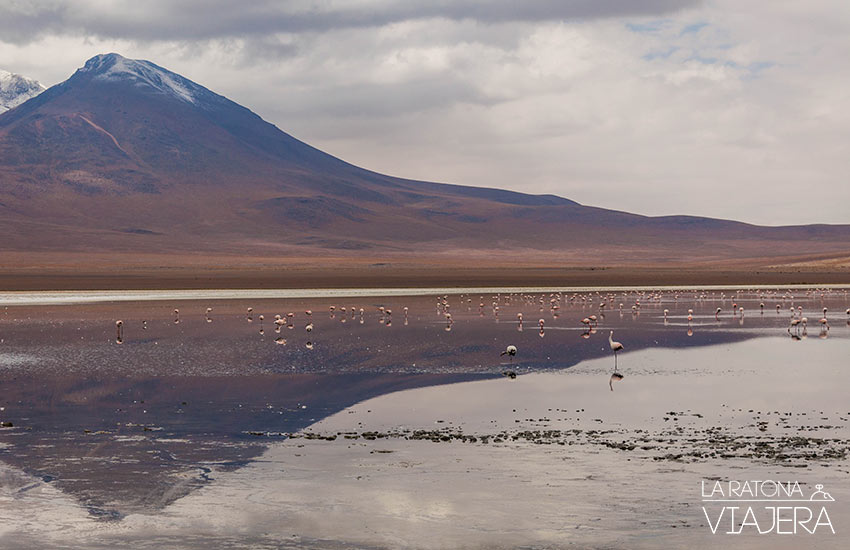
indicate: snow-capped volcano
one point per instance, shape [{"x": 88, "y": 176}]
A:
[
  {"x": 15, "y": 89},
  {"x": 126, "y": 155}
]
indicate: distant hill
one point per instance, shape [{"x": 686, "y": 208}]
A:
[{"x": 15, "y": 89}]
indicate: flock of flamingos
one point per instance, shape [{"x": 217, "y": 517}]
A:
[{"x": 598, "y": 302}]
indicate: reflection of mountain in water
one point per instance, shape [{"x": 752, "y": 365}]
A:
[
  {"x": 124, "y": 445},
  {"x": 173, "y": 427}
]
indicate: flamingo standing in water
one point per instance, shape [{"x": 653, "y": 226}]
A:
[
  {"x": 795, "y": 324},
  {"x": 510, "y": 351},
  {"x": 824, "y": 322},
  {"x": 615, "y": 347}
]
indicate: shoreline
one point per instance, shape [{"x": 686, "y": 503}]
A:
[
  {"x": 60, "y": 297},
  {"x": 336, "y": 276}
]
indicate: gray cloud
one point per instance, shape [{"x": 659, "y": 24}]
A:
[{"x": 210, "y": 19}]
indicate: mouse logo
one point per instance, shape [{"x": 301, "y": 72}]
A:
[{"x": 821, "y": 495}]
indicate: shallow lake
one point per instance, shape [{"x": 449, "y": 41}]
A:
[{"x": 395, "y": 422}]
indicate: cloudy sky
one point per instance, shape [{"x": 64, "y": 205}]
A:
[{"x": 720, "y": 108}]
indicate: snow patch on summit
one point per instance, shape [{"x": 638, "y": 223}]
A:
[{"x": 113, "y": 67}]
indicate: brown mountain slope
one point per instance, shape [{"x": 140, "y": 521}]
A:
[{"x": 128, "y": 158}]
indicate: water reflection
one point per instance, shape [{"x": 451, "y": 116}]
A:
[
  {"x": 140, "y": 436},
  {"x": 170, "y": 374},
  {"x": 615, "y": 377}
]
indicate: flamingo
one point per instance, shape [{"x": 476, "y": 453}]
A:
[
  {"x": 615, "y": 347},
  {"x": 795, "y": 324},
  {"x": 510, "y": 351}
]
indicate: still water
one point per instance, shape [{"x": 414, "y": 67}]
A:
[{"x": 395, "y": 422}]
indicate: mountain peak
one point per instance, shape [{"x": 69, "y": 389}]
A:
[
  {"x": 15, "y": 89},
  {"x": 117, "y": 68},
  {"x": 102, "y": 62}
]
